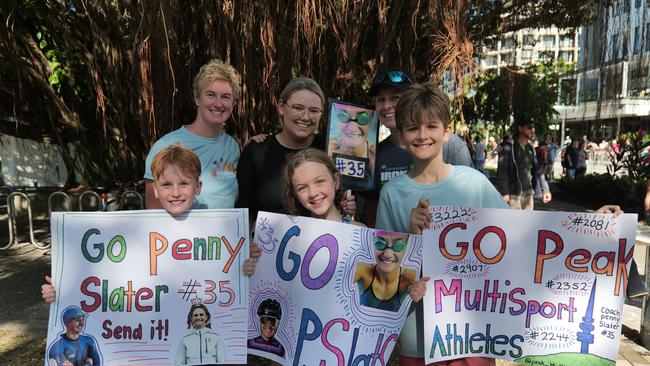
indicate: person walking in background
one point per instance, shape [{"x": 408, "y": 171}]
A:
[
  {"x": 571, "y": 158},
  {"x": 541, "y": 153},
  {"x": 581, "y": 168},
  {"x": 480, "y": 154},
  {"x": 518, "y": 168},
  {"x": 549, "y": 170}
]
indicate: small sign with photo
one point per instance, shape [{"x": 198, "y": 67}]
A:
[{"x": 351, "y": 142}]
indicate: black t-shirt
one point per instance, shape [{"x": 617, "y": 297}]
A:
[
  {"x": 392, "y": 161},
  {"x": 259, "y": 175}
]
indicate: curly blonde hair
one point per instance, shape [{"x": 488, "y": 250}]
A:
[{"x": 217, "y": 70}]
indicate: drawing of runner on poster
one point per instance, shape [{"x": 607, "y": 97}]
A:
[
  {"x": 540, "y": 288},
  {"x": 143, "y": 287},
  {"x": 351, "y": 142},
  {"x": 329, "y": 291}
]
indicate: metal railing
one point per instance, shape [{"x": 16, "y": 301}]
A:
[
  {"x": 11, "y": 220},
  {"x": 61, "y": 201},
  {"x": 96, "y": 200}
]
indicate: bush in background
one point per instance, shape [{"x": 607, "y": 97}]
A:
[{"x": 595, "y": 190}]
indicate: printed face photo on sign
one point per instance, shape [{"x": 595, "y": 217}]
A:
[
  {"x": 269, "y": 314},
  {"x": 384, "y": 284},
  {"x": 348, "y": 135},
  {"x": 352, "y": 141},
  {"x": 73, "y": 347},
  {"x": 201, "y": 343}
]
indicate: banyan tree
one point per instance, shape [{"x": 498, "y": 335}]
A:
[{"x": 110, "y": 77}]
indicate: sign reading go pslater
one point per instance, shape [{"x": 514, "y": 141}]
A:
[
  {"x": 329, "y": 293},
  {"x": 541, "y": 288},
  {"x": 146, "y": 288}
]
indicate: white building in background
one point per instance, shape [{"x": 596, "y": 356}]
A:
[
  {"x": 524, "y": 48},
  {"x": 530, "y": 46},
  {"x": 610, "y": 92}
]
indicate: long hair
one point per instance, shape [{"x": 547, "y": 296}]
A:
[
  {"x": 289, "y": 196},
  {"x": 207, "y": 314}
]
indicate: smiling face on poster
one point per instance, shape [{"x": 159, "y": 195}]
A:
[
  {"x": 352, "y": 141},
  {"x": 383, "y": 283},
  {"x": 143, "y": 286},
  {"x": 328, "y": 291}
]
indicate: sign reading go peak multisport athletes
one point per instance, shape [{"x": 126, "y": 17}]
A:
[
  {"x": 143, "y": 288},
  {"x": 541, "y": 288}
]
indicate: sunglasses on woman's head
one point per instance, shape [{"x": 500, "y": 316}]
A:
[
  {"x": 363, "y": 118},
  {"x": 394, "y": 76},
  {"x": 399, "y": 244}
]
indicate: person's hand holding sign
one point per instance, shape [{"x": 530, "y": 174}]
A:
[
  {"x": 349, "y": 203},
  {"x": 420, "y": 217},
  {"x": 418, "y": 289}
]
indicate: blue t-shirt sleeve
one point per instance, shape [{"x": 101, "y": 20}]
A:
[
  {"x": 491, "y": 197},
  {"x": 385, "y": 219},
  {"x": 52, "y": 354}
]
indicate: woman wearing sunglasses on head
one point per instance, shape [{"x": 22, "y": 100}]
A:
[
  {"x": 353, "y": 126},
  {"x": 392, "y": 159},
  {"x": 384, "y": 285}
]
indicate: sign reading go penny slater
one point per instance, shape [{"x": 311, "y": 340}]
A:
[{"x": 143, "y": 287}]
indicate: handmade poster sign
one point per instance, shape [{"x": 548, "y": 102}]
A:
[
  {"x": 352, "y": 142},
  {"x": 143, "y": 288},
  {"x": 329, "y": 292},
  {"x": 541, "y": 288}
]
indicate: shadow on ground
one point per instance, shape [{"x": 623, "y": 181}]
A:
[{"x": 23, "y": 314}]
